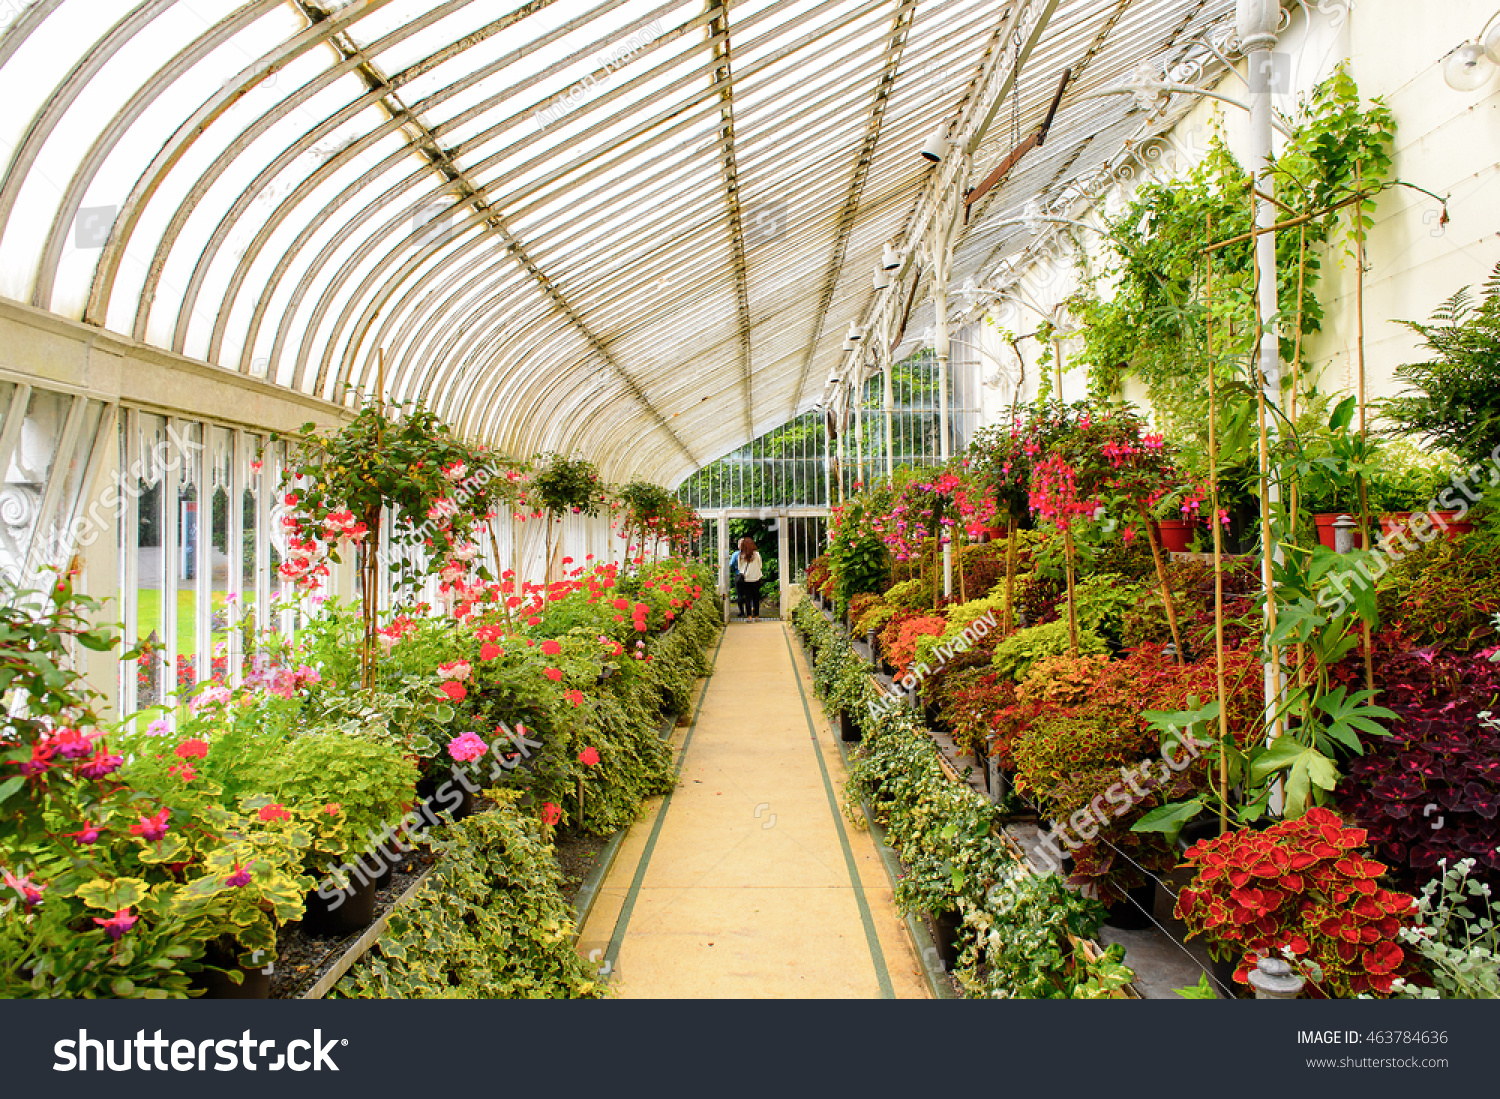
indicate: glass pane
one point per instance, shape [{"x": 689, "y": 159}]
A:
[
  {"x": 153, "y": 454},
  {"x": 223, "y": 553},
  {"x": 187, "y": 559}
]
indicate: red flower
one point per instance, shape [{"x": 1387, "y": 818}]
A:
[
  {"x": 554, "y": 674},
  {"x": 275, "y": 811},
  {"x": 454, "y": 690},
  {"x": 192, "y": 749},
  {"x": 576, "y": 698},
  {"x": 488, "y": 651},
  {"x": 116, "y": 926},
  {"x": 589, "y": 757},
  {"x": 551, "y": 814},
  {"x": 551, "y": 648},
  {"x": 152, "y": 828}
]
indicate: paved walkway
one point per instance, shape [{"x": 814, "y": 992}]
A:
[{"x": 746, "y": 881}]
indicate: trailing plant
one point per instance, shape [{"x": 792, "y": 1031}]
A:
[{"x": 1457, "y": 938}]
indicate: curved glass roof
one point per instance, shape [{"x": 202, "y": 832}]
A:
[{"x": 637, "y": 229}]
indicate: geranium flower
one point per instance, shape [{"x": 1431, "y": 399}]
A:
[
  {"x": 275, "y": 811},
  {"x": 551, "y": 648},
  {"x": 152, "y": 828},
  {"x": 333, "y": 808},
  {"x": 192, "y": 749},
  {"x": 160, "y": 727},
  {"x": 554, "y": 674},
  {"x": 575, "y": 697},
  {"x": 467, "y": 747},
  {"x": 240, "y": 877},
  {"x": 551, "y": 814},
  {"x": 183, "y": 771},
  {"x": 454, "y": 690},
  {"x": 116, "y": 926},
  {"x": 589, "y": 756},
  {"x": 457, "y": 670}
]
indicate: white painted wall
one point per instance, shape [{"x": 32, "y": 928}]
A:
[{"x": 1446, "y": 141}]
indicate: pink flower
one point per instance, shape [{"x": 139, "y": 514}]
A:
[
  {"x": 100, "y": 764},
  {"x": 589, "y": 757},
  {"x": 192, "y": 749},
  {"x": 116, "y": 926},
  {"x": 458, "y": 670},
  {"x": 71, "y": 744},
  {"x": 152, "y": 828},
  {"x": 333, "y": 808},
  {"x": 551, "y": 814},
  {"x": 467, "y": 747},
  {"x": 275, "y": 811},
  {"x": 240, "y": 877},
  {"x": 454, "y": 690},
  {"x": 29, "y": 891},
  {"x": 86, "y": 835}
]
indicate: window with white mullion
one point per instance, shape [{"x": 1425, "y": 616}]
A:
[
  {"x": 130, "y": 521},
  {"x": 171, "y": 490},
  {"x": 234, "y": 578}
]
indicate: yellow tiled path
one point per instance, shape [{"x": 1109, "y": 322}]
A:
[{"x": 746, "y": 881}]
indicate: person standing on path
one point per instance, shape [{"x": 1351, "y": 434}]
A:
[
  {"x": 734, "y": 580},
  {"x": 749, "y": 585}
]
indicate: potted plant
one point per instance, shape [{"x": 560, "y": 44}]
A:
[{"x": 1301, "y": 886}]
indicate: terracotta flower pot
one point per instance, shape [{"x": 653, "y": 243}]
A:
[
  {"x": 1398, "y": 522},
  {"x": 1175, "y": 534},
  {"x": 1326, "y": 532}
]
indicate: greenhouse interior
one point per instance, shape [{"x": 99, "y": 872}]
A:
[{"x": 791, "y": 499}]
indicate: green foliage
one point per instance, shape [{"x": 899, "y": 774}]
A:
[
  {"x": 911, "y": 595},
  {"x": 561, "y": 485},
  {"x": 1015, "y": 655},
  {"x": 489, "y": 923},
  {"x": 1454, "y": 397},
  {"x": 1456, "y": 936},
  {"x": 1103, "y": 601},
  {"x": 1022, "y": 947}
]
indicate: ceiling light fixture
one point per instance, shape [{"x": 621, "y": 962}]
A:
[
  {"x": 882, "y": 280},
  {"x": 1470, "y": 66},
  {"x": 890, "y": 258},
  {"x": 937, "y": 145}
]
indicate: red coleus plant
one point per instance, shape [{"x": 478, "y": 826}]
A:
[{"x": 1301, "y": 885}]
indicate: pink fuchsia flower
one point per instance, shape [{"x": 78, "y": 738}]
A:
[
  {"x": 554, "y": 674},
  {"x": 454, "y": 690},
  {"x": 192, "y": 749},
  {"x": 41, "y": 759},
  {"x": 100, "y": 764},
  {"x": 152, "y": 828},
  {"x": 551, "y": 648},
  {"x": 275, "y": 811},
  {"x": 467, "y": 747},
  {"x": 576, "y": 698},
  {"x": 116, "y": 926},
  {"x": 551, "y": 814},
  {"x": 29, "y": 891},
  {"x": 240, "y": 877},
  {"x": 589, "y": 757},
  {"x": 71, "y": 743},
  {"x": 86, "y": 835}
]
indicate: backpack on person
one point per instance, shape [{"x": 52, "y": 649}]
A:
[{"x": 750, "y": 569}]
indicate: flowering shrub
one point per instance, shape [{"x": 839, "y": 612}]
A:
[{"x": 1301, "y": 885}]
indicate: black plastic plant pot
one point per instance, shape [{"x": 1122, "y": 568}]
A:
[
  {"x": 946, "y": 926},
  {"x": 1133, "y": 911},
  {"x": 341, "y": 912},
  {"x": 217, "y": 984},
  {"x": 849, "y": 730},
  {"x": 441, "y": 801}
]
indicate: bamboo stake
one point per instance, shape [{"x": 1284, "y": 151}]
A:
[
  {"x": 1359, "y": 344},
  {"x": 1161, "y": 579},
  {"x": 1294, "y": 490},
  {"x": 1213, "y": 503},
  {"x": 1010, "y": 576},
  {"x": 1072, "y": 595}
]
